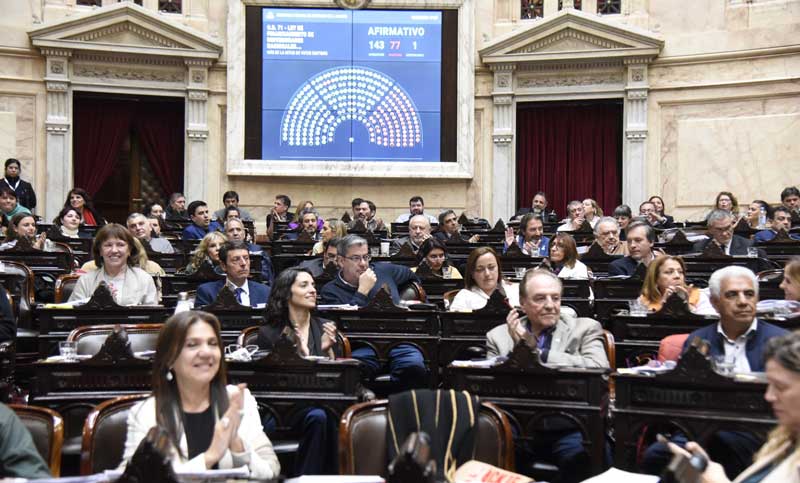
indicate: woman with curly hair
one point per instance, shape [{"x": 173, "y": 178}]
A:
[{"x": 207, "y": 253}]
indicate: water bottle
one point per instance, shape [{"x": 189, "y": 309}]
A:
[
  {"x": 184, "y": 303},
  {"x": 762, "y": 218}
]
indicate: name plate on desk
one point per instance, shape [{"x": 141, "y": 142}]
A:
[
  {"x": 59, "y": 380},
  {"x": 384, "y": 317},
  {"x": 489, "y": 383},
  {"x": 340, "y": 377}
]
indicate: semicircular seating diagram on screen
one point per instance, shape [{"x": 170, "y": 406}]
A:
[{"x": 351, "y": 93}]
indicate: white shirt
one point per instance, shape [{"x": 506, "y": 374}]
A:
[
  {"x": 467, "y": 300},
  {"x": 407, "y": 216},
  {"x": 738, "y": 348},
  {"x": 245, "y": 291},
  {"x": 578, "y": 272}
]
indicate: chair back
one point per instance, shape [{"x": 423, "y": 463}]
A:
[
  {"x": 65, "y": 284},
  {"x": 362, "y": 438},
  {"x": 671, "y": 346},
  {"x": 90, "y": 338},
  {"x": 47, "y": 430},
  {"x": 249, "y": 335},
  {"x": 104, "y": 434},
  {"x": 611, "y": 349},
  {"x": 18, "y": 279},
  {"x": 412, "y": 291}
]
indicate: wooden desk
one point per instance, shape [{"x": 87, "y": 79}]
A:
[
  {"x": 382, "y": 326},
  {"x": 693, "y": 398},
  {"x": 284, "y": 384},
  {"x": 532, "y": 393},
  {"x": 612, "y": 294},
  {"x": 56, "y": 324},
  {"x": 637, "y": 338},
  {"x": 464, "y": 333}
]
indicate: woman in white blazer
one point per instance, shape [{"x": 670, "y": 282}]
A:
[{"x": 211, "y": 425}]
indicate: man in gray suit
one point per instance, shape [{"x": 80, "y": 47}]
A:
[{"x": 561, "y": 339}]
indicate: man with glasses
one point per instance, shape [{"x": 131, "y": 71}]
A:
[
  {"x": 329, "y": 257},
  {"x": 419, "y": 230},
  {"x": 234, "y": 259},
  {"x": 606, "y": 234},
  {"x": 719, "y": 227},
  {"x": 356, "y": 284},
  {"x": 575, "y": 216}
]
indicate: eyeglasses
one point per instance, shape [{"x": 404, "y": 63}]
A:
[{"x": 358, "y": 258}]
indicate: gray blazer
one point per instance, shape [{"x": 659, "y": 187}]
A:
[{"x": 577, "y": 342}]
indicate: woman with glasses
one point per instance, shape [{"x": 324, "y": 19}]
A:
[
  {"x": 483, "y": 276},
  {"x": 433, "y": 253},
  {"x": 564, "y": 258}
]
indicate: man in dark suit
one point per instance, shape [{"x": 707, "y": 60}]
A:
[
  {"x": 450, "y": 230},
  {"x": 739, "y": 337},
  {"x": 234, "y": 258},
  {"x": 641, "y": 238},
  {"x": 790, "y": 197},
  {"x": 235, "y": 231},
  {"x": 720, "y": 231},
  {"x": 781, "y": 218},
  {"x": 538, "y": 208}
]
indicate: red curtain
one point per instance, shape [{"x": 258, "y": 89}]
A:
[
  {"x": 100, "y": 129},
  {"x": 160, "y": 128},
  {"x": 101, "y": 126},
  {"x": 571, "y": 152}
]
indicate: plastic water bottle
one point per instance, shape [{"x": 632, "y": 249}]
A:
[
  {"x": 762, "y": 218},
  {"x": 184, "y": 303}
]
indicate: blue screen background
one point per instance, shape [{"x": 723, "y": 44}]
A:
[{"x": 328, "y": 81}]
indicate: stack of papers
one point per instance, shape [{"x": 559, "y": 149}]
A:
[
  {"x": 337, "y": 307},
  {"x": 491, "y": 362}
]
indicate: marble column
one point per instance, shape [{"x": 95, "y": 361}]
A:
[
  {"x": 195, "y": 170},
  {"x": 504, "y": 185},
  {"x": 58, "y": 122},
  {"x": 634, "y": 173}
]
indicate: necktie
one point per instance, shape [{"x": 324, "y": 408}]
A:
[{"x": 238, "y": 292}]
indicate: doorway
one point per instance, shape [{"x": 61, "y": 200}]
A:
[
  {"x": 571, "y": 151},
  {"x": 127, "y": 150}
]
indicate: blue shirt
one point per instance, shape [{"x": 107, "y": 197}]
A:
[
  {"x": 767, "y": 235},
  {"x": 195, "y": 232},
  {"x": 544, "y": 246}
]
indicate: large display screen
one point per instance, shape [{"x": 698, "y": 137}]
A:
[{"x": 346, "y": 85}]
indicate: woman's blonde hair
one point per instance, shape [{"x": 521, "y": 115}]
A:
[
  {"x": 202, "y": 249},
  {"x": 650, "y": 289},
  {"x": 792, "y": 269}
]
